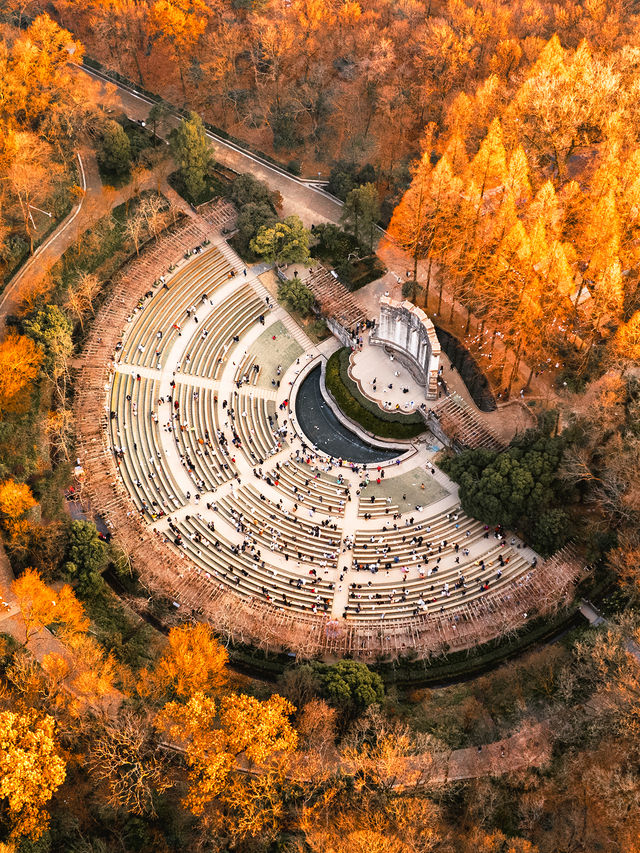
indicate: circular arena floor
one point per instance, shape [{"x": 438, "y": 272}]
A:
[{"x": 211, "y": 473}]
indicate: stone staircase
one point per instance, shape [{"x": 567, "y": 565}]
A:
[{"x": 461, "y": 426}]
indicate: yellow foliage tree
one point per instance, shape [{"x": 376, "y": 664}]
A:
[
  {"x": 15, "y": 499},
  {"x": 93, "y": 671},
  {"x": 627, "y": 340},
  {"x": 41, "y": 605},
  {"x": 214, "y": 737},
  {"x": 20, "y": 361},
  {"x": 31, "y": 769},
  {"x": 192, "y": 662}
]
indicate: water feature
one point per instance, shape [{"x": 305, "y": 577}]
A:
[{"x": 326, "y": 432}]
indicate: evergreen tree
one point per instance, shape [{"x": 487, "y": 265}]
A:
[
  {"x": 361, "y": 212},
  {"x": 190, "y": 150},
  {"x": 115, "y": 149}
]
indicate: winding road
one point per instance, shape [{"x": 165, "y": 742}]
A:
[{"x": 312, "y": 204}]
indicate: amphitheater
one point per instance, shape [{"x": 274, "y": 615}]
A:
[{"x": 195, "y": 462}]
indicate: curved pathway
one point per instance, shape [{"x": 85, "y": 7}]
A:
[{"x": 52, "y": 248}]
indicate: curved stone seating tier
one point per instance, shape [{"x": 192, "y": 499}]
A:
[
  {"x": 245, "y": 373},
  {"x": 281, "y": 530},
  {"x": 259, "y": 440},
  {"x": 406, "y": 596},
  {"x": 290, "y": 538},
  {"x": 233, "y": 317},
  {"x": 311, "y": 489},
  {"x": 246, "y": 569},
  {"x": 196, "y": 436},
  {"x": 166, "y": 311},
  {"x": 138, "y": 452},
  {"x": 376, "y": 508}
]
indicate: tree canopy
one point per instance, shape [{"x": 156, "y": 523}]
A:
[
  {"x": 349, "y": 685},
  {"x": 297, "y": 296},
  {"x": 286, "y": 242},
  {"x": 190, "y": 149},
  {"x": 514, "y": 488},
  {"x": 31, "y": 770},
  {"x": 115, "y": 149}
]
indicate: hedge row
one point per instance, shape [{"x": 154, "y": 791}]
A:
[{"x": 365, "y": 412}]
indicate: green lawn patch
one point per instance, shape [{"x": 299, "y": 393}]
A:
[
  {"x": 413, "y": 488},
  {"x": 269, "y": 355}
]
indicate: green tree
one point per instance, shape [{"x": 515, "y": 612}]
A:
[
  {"x": 550, "y": 531},
  {"x": 349, "y": 685},
  {"x": 333, "y": 242},
  {"x": 297, "y": 296},
  {"x": 50, "y": 328},
  {"x": 87, "y": 556},
  {"x": 115, "y": 149},
  {"x": 345, "y": 175},
  {"x": 158, "y": 116},
  {"x": 246, "y": 189},
  {"x": 191, "y": 152},
  {"x": 286, "y": 242},
  {"x": 252, "y": 217},
  {"x": 360, "y": 214},
  {"x": 511, "y": 487}
]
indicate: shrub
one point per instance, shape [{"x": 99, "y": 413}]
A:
[{"x": 296, "y": 296}]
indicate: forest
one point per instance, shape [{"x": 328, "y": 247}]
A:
[{"x": 499, "y": 144}]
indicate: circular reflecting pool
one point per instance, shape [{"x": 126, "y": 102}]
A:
[{"x": 326, "y": 432}]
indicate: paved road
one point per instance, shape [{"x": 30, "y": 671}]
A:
[
  {"x": 49, "y": 251},
  {"x": 311, "y": 204}
]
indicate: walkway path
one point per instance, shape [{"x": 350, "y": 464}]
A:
[
  {"x": 50, "y": 250},
  {"x": 311, "y": 204},
  {"x": 596, "y": 619}
]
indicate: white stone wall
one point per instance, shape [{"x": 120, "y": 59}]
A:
[{"x": 407, "y": 330}]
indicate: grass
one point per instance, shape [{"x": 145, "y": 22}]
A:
[
  {"x": 407, "y": 491},
  {"x": 269, "y": 353},
  {"x": 364, "y": 412}
]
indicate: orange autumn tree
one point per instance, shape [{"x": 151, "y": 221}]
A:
[
  {"x": 193, "y": 661},
  {"x": 178, "y": 24},
  {"x": 41, "y": 605},
  {"x": 626, "y": 344},
  {"x": 20, "y": 362},
  {"x": 215, "y": 735},
  {"x": 31, "y": 769},
  {"x": 16, "y": 501}
]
